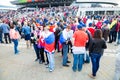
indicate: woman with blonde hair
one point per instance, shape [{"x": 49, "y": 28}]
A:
[{"x": 27, "y": 32}]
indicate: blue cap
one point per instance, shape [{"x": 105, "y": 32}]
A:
[
  {"x": 51, "y": 23},
  {"x": 88, "y": 17},
  {"x": 106, "y": 22},
  {"x": 79, "y": 26},
  {"x": 81, "y": 23},
  {"x": 90, "y": 24}
]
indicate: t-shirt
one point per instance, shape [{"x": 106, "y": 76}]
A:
[
  {"x": 80, "y": 38},
  {"x": 92, "y": 30}
]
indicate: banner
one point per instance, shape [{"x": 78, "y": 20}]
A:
[
  {"x": 25, "y": 1},
  {"x": 22, "y": 1},
  {"x": 29, "y": 0}
]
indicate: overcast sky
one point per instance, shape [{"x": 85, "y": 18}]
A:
[{"x": 7, "y": 2}]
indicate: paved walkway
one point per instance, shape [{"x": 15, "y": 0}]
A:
[{"x": 23, "y": 66}]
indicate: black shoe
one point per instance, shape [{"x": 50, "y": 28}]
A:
[
  {"x": 68, "y": 62},
  {"x": 43, "y": 61},
  {"x": 36, "y": 59},
  {"x": 40, "y": 62},
  {"x": 2, "y": 42},
  {"x": 58, "y": 51},
  {"x": 110, "y": 42},
  {"x": 66, "y": 65},
  {"x": 46, "y": 63}
]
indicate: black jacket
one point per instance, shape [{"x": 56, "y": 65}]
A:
[
  {"x": 97, "y": 46},
  {"x": 89, "y": 40}
]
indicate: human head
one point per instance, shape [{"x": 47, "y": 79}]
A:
[
  {"x": 11, "y": 25},
  {"x": 0, "y": 21},
  {"x": 98, "y": 34},
  {"x": 90, "y": 24},
  {"x": 46, "y": 28},
  {"x": 79, "y": 27},
  {"x": 25, "y": 23},
  {"x": 68, "y": 28}
]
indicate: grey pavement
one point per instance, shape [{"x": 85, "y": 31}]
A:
[{"x": 23, "y": 66}]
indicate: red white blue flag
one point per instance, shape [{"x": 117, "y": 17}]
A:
[{"x": 50, "y": 43}]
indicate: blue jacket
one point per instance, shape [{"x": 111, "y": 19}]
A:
[
  {"x": 26, "y": 30},
  {"x": 5, "y": 28}
]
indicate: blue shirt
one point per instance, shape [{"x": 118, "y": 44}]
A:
[
  {"x": 5, "y": 28},
  {"x": 26, "y": 30}
]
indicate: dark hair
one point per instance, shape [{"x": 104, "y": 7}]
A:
[
  {"x": 11, "y": 26},
  {"x": 68, "y": 27},
  {"x": 98, "y": 34}
]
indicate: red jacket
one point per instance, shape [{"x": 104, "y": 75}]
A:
[
  {"x": 92, "y": 30},
  {"x": 118, "y": 26},
  {"x": 99, "y": 25}
]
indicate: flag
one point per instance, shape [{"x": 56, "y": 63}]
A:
[
  {"x": 51, "y": 28},
  {"x": 41, "y": 42},
  {"x": 61, "y": 41},
  {"x": 50, "y": 43},
  {"x": 60, "y": 46}
]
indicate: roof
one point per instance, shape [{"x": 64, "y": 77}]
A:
[
  {"x": 112, "y": 2},
  {"x": 43, "y": 3},
  {"x": 8, "y": 7}
]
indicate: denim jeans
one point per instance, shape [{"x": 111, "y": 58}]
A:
[
  {"x": 118, "y": 38},
  {"x": 117, "y": 76},
  {"x": 36, "y": 50},
  {"x": 65, "y": 52},
  {"x": 51, "y": 60},
  {"x": 7, "y": 37},
  {"x": 95, "y": 58},
  {"x": 42, "y": 54},
  {"x": 15, "y": 41},
  {"x": 0, "y": 37},
  {"x": 78, "y": 61}
]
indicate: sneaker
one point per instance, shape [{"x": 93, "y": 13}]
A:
[
  {"x": 2, "y": 42},
  {"x": 66, "y": 65},
  {"x": 91, "y": 76},
  {"x": 116, "y": 44},
  {"x": 36, "y": 59},
  {"x": 74, "y": 70},
  {"x": 40, "y": 62},
  {"x": 68, "y": 62},
  {"x": 46, "y": 63},
  {"x": 110, "y": 42},
  {"x": 79, "y": 70},
  {"x": 17, "y": 52},
  {"x": 50, "y": 70}
]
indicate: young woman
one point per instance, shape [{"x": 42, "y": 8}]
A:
[
  {"x": 14, "y": 35},
  {"x": 41, "y": 45},
  {"x": 96, "y": 49},
  {"x": 27, "y": 31},
  {"x": 34, "y": 39}
]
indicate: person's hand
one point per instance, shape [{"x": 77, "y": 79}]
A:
[{"x": 66, "y": 42}]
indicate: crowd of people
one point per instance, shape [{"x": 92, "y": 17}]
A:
[{"x": 59, "y": 29}]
